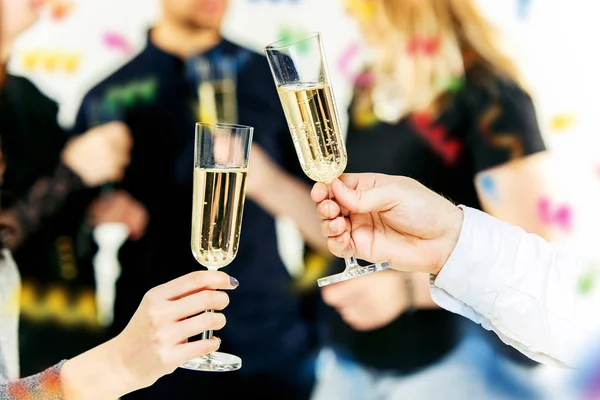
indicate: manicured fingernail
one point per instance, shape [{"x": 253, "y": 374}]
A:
[{"x": 234, "y": 282}]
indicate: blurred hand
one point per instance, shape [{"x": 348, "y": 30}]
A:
[
  {"x": 390, "y": 218},
  {"x": 263, "y": 173},
  {"x": 371, "y": 302},
  {"x": 100, "y": 155},
  {"x": 119, "y": 206},
  {"x": 154, "y": 343}
]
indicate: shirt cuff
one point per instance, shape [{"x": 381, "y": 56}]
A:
[{"x": 475, "y": 271}]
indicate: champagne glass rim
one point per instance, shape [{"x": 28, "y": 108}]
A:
[
  {"x": 282, "y": 43},
  {"x": 222, "y": 125}
]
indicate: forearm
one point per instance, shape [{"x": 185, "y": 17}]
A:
[
  {"x": 47, "y": 196},
  {"x": 96, "y": 375},
  {"x": 519, "y": 286},
  {"x": 287, "y": 196}
]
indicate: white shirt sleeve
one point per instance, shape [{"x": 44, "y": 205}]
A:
[{"x": 526, "y": 290}]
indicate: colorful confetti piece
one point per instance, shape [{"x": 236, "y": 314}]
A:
[
  {"x": 488, "y": 186},
  {"x": 423, "y": 45},
  {"x": 50, "y": 61},
  {"x": 560, "y": 216},
  {"x": 344, "y": 61},
  {"x": 118, "y": 42},
  {"x": 293, "y": 34},
  {"x": 523, "y": 8},
  {"x": 562, "y": 122},
  {"x": 61, "y": 9},
  {"x": 587, "y": 281}
]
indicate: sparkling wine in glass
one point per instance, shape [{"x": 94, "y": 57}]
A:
[
  {"x": 220, "y": 168},
  {"x": 300, "y": 72},
  {"x": 217, "y": 98}
]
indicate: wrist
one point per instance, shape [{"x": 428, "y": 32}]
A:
[
  {"x": 97, "y": 374},
  {"x": 449, "y": 238}
]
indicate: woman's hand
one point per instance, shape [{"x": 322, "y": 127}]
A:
[{"x": 155, "y": 342}]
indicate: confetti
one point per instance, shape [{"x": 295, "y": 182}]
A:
[
  {"x": 561, "y": 216},
  {"x": 348, "y": 55},
  {"x": 60, "y": 9},
  {"x": 117, "y": 41},
  {"x": 422, "y": 45},
  {"x": 523, "y": 7},
  {"x": 363, "y": 10},
  {"x": 562, "y": 122},
  {"x": 50, "y": 61},
  {"x": 293, "y": 34},
  {"x": 488, "y": 186},
  {"x": 587, "y": 282}
]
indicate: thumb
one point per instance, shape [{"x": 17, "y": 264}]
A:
[{"x": 361, "y": 200}]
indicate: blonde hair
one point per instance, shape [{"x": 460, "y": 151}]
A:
[{"x": 458, "y": 35}]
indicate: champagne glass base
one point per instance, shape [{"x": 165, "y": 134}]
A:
[
  {"x": 215, "y": 362},
  {"x": 353, "y": 272}
]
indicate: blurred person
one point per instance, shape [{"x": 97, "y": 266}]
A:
[
  {"x": 442, "y": 103},
  {"x": 512, "y": 282},
  {"x": 268, "y": 325},
  {"x": 46, "y": 174},
  {"x": 154, "y": 342}
]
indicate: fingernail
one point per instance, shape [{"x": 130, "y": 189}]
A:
[
  {"x": 234, "y": 282},
  {"x": 340, "y": 239},
  {"x": 218, "y": 338}
]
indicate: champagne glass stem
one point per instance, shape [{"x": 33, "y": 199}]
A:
[
  {"x": 207, "y": 334},
  {"x": 348, "y": 253}
]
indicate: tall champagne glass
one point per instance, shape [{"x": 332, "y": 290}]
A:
[
  {"x": 220, "y": 168},
  {"x": 217, "y": 90},
  {"x": 302, "y": 79}
]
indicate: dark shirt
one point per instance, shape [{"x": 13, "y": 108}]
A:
[
  {"x": 489, "y": 121},
  {"x": 264, "y": 322},
  {"x": 35, "y": 185}
]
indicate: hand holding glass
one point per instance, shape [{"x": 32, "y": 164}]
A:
[
  {"x": 302, "y": 79},
  {"x": 220, "y": 167}
]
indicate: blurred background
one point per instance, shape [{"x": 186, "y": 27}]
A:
[{"x": 77, "y": 43}]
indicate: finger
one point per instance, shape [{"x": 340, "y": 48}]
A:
[
  {"x": 333, "y": 227},
  {"x": 199, "y": 302},
  {"x": 319, "y": 192},
  {"x": 328, "y": 209},
  {"x": 194, "y": 282},
  {"x": 334, "y": 295},
  {"x": 377, "y": 198},
  {"x": 191, "y": 327},
  {"x": 188, "y": 351},
  {"x": 338, "y": 244}
]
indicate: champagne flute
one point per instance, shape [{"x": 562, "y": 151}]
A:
[
  {"x": 300, "y": 72},
  {"x": 217, "y": 98},
  {"x": 221, "y": 159}
]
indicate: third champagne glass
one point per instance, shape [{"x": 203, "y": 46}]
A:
[
  {"x": 220, "y": 168},
  {"x": 302, "y": 79}
]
